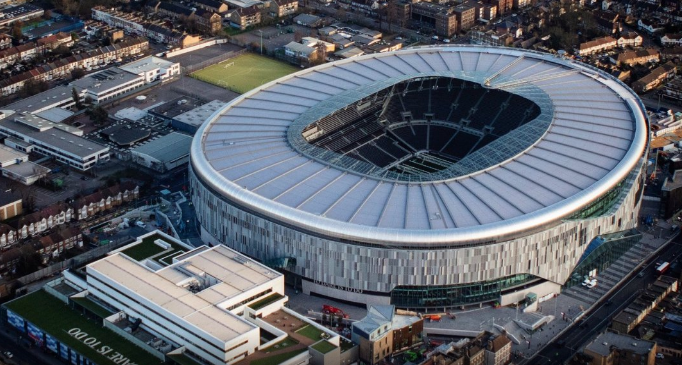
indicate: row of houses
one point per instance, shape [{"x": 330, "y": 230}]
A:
[
  {"x": 206, "y": 21},
  {"x": 245, "y": 14},
  {"x": 655, "y": 78},
  {"x": 63, "y": 67},
  {"x": 640, "y": 57},
  {"x": 27, "y": 51},
  {"x": 135, "y": 24},
  {"x": 670, "y": 40},
  {"x": 47, "y": 247},
  {"x": 630, "y": 317},
  {"x": 34, "y": 224}
]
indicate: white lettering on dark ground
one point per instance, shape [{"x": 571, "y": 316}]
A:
[
  {"x": 338, "y": 287},
  {"x": 104, "y": 350}
]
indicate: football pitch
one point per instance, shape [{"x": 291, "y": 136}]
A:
[{"x": 244, "y": 72}]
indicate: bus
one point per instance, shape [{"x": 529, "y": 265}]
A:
[{"x": 663, "y": 268}]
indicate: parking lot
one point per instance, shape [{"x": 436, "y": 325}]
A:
[{"x": 274, "y": 37}]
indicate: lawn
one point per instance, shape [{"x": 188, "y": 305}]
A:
[
  {"x": 265, "y": 301},
  {"x": 60, "y": 318},
  {"x": 147, "y": 248},
  {"x": 144, "y": 250},
  {"x": 93, "y": 307},
  {"x": 323, "y": 347},
  {"x": 311, "y": 332},
  {"x": 281, "y": 345},
  {"x": 244, "y": 72},
  {"x": 277, "y": 359}
]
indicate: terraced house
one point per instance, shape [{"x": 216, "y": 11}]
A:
[{"x": 105, "y": 199}]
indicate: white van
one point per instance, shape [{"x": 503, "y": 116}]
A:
[{"x": 140, "y": 224}]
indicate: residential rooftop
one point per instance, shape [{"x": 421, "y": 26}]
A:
[{"x": 604, "y": 342}]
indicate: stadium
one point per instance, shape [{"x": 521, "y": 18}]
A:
[{"x": 429, "y": 177}]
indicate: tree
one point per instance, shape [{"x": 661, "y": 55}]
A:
[
  {"x": 29, "y": 261},
  {"x": 77, "y": 73},
  {"x": 98, "y": 115},
  {"x": 341, "y": 14},
  {"x": 17, "y": 33},
  {"x": 76, "y": 99},
  {"x": 47, "y": 14},
  {"x": 61, "y": 51},
  {"x": 32, "y": 87},
  {"x": 392, "y": 14}
]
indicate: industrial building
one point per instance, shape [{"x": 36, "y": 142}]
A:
[
  {"x": 30, "y": 133},
  {"x": 164, "y": 153}
]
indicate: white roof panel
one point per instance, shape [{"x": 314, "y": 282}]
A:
[{"x": 596, "y": 135}]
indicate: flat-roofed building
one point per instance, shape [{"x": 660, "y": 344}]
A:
[
  {"x": 153, "y": 68},
  {"x": 616, "y": 349},
  {"x": 52, "y": 139},
  {"x": 196, "y": 301},
  {"x": 165, "y": 153},
  {"x": 10, "y": 206},
  {"x": 466, "y": 15},
  {"x": 443, "y": 18},
  {"x": 21, "y": 12},
  {"x": 190, "y": 121},
  {"x": 108, "y": 84}
]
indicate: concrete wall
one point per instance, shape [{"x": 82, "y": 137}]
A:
[{"x": 541, "y": 290}]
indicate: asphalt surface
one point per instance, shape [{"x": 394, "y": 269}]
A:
[
  {"x": 600, "y": 316},
  {"x": 22, "y": 354}
]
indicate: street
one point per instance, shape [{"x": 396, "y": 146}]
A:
[{"x": 599, "y": 318}]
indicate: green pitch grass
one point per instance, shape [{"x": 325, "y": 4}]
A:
[{"x": 244, "y": 72}]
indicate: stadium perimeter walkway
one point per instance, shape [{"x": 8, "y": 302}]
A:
[{"x": 490, "y": 319}]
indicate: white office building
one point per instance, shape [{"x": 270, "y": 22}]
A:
[
  {"x": 108, "y": 84},
  {"x": 195, "y": 298},
  {"x": 153, "y": 68}
]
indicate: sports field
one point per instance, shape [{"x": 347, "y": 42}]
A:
[{"x": 244, "y": 72}]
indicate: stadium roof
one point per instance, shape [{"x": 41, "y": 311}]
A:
[
  {"x": 594, "y": 136},
  {"x": 167, "y": 148}
]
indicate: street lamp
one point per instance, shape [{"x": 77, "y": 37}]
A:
[{"x": 261, "y": 41}]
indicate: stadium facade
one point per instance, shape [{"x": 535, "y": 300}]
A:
[{"x": 426, "y": 177}]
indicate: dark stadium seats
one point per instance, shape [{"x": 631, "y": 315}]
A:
[{"x": 399, "y": 121}]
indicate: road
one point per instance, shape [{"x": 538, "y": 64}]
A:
[
  {"x": 9, "y": 341},
  {"x": 600, "y": 316}
]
